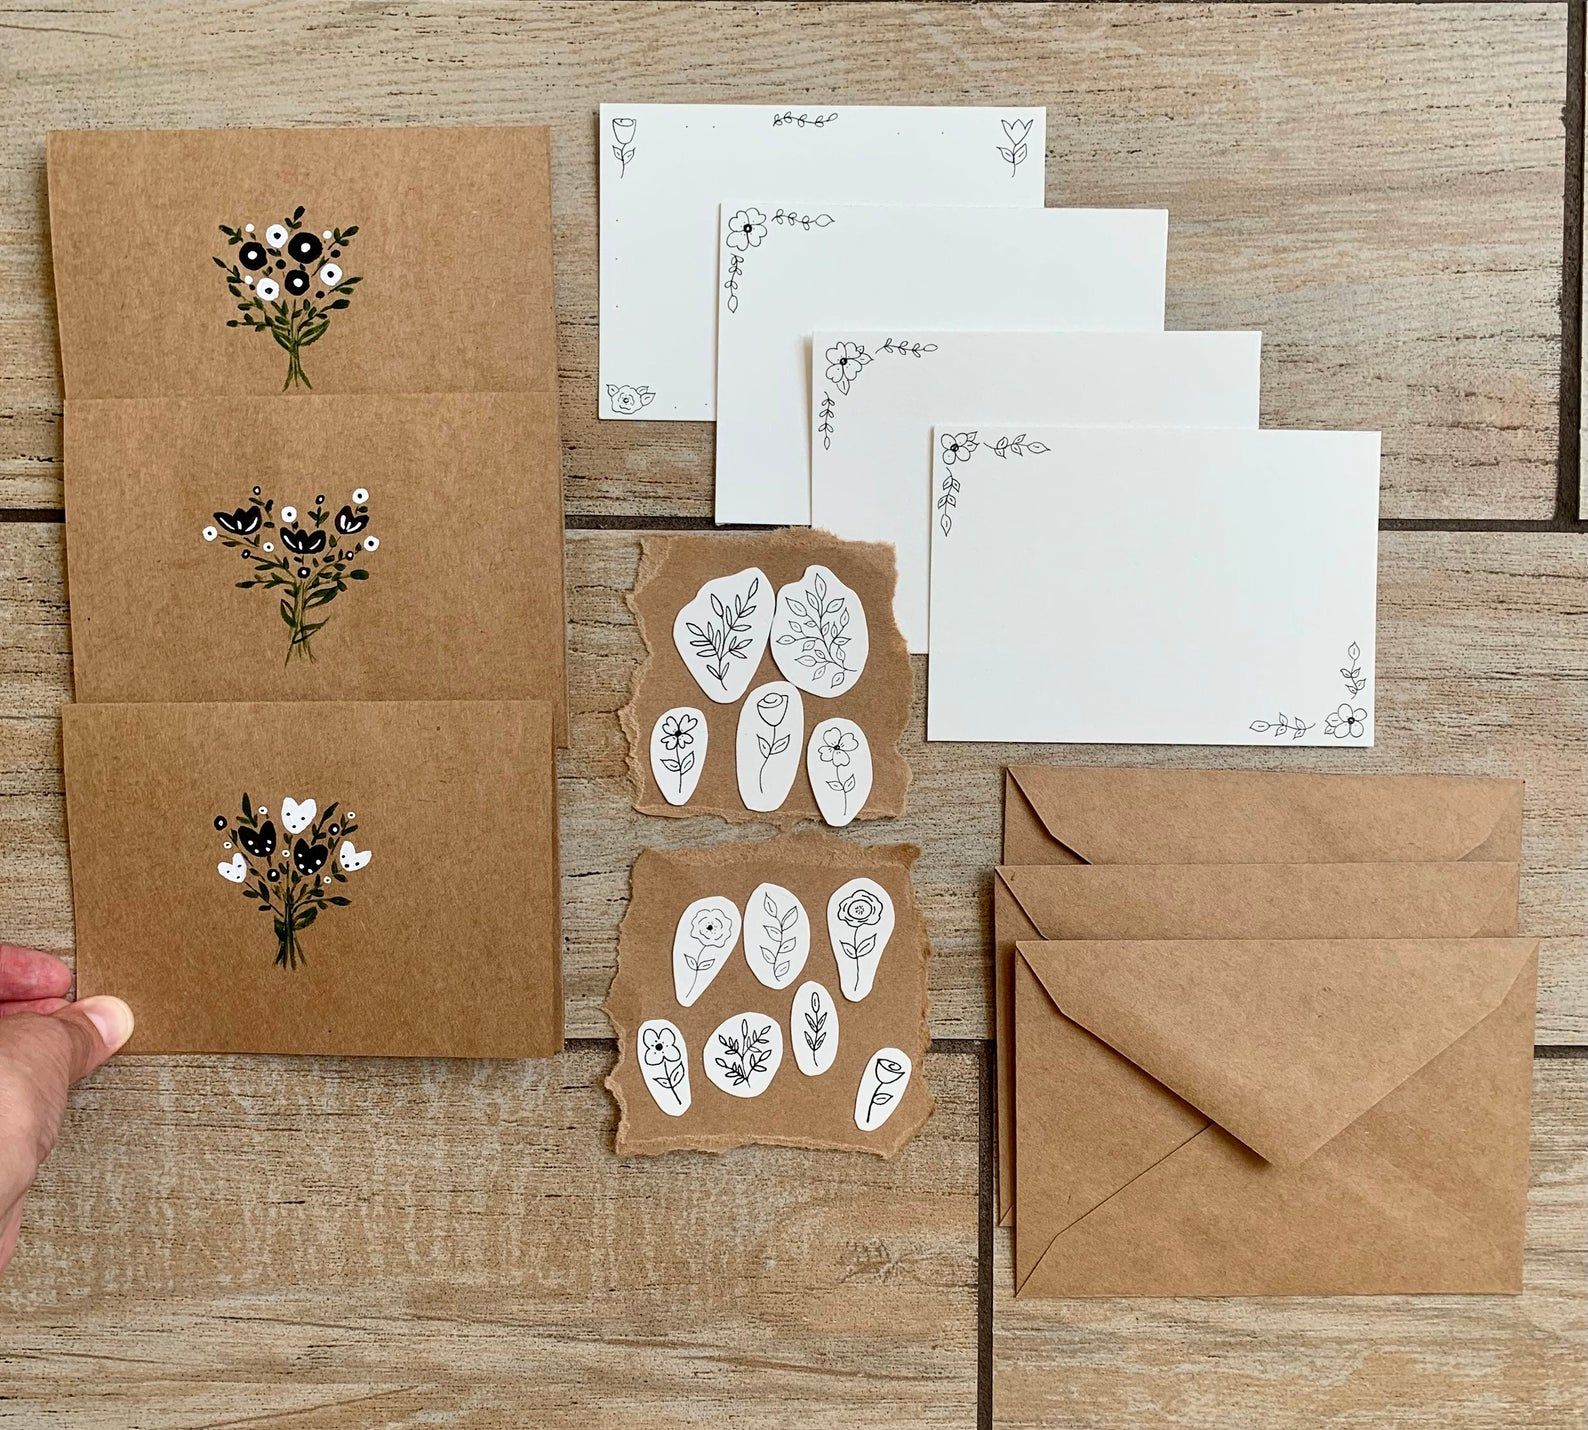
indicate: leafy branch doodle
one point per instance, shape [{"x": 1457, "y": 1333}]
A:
[
  {"x": 285, "y": 878},
  {"x": 289, "y": 285},
  {"x": 814, "y": 636},
  {"x": 748, "y": 1052},
  {"x": 778, "y": 938},
  {"x": 313, "y": 565},
  {"x": 802, "y": 121},
  {"x": 1014, "y": 153},
  {"x": 1345, "y": 722},
  {"x": 815, "y": 1029},
  {"x": 727, "y": 639},
  {"x": 746, "y": 228},
  {"x": 845, "y": 363}
]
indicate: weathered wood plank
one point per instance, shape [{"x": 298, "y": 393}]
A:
[
  {"x": 1482, "y": 648},
  {"x": 1451, "y": 1361},
  {"x": 1378, "y": 187},
  {"x": 393, "y": 1242}
]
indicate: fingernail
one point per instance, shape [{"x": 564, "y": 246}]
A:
[{"x": 110, "y": 1016}]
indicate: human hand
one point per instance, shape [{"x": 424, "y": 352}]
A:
[{"x": 46, "y": 1044}]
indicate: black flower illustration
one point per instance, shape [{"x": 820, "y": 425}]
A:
[
  {"x": 957, "y": 446},
  {"x": 628, "y": 400},
  {"x": 1349, "y": 722},
  {"x": 845, "y": 362},
  {"x": 293, "y": 299},
  {"x": 243, "y": 521},
  {"x": 746, "y": 229}
]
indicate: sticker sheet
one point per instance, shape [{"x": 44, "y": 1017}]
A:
[
  {"x": 775, "y": 686},
  {"x": 877, "y": 393},
  {"x": 1153, "y": 586},
  {"x": 773, "y": 993},
  {"x": 303, "y": 260},
  {"x": 362, "y": 879},
  {"x": 355, "y": 547},
  {"x": 665, "y": 168},
  {"x": 793, "y": 268}
]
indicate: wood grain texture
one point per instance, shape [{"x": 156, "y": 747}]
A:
[
  {"x": 1482, "y": 645},
  {"x": 352, "y": 1244},
  {"x": 1449, "y": 1361},
  {"x": 1377, "y": 187}
]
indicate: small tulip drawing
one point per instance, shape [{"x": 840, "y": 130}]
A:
[{"x": 623, "y": 148}]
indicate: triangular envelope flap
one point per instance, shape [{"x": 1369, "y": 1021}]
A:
[
  {"x": 1136, "y": 816},
  {"x": 1283, "y": 1043}
]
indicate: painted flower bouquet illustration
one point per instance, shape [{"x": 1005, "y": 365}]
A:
[
  {"x": 308, "y": 557},
  {"x": 291, "y": 875},
  {"x": 288, "y": 282}
]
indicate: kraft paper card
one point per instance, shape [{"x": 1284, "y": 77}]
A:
[
  {"x": 666, "y": 167},
  {"x": 247, "y": 262},
  {"x": 371, "y": 547},
  {"x": 876, "y": 395},
  {"x": 791, "y": 268},
  {"x": 1069, "y": 814},
  {"x": 362, "y": 879},
  {"x": 1245, "y": 901},
  {"x": 1171, "y": 586},
  {"x": 773, "y": 993},
  {"x": 1272, "y": 1117},
  {"x": 775, "y": 685}
]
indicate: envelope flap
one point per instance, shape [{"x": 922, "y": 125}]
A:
[
  {"x": 1283, "y": 1043},
  {"x": 1148, "y": 816}
]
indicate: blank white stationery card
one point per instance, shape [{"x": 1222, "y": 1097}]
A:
[
  {"x": 665, "y": 168},
  {"x": 1153, "y": 586},
  {"x": 791, "y": 271},
  {"x": 876, "y": 395}
]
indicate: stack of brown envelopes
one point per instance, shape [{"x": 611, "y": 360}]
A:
[{"x": 1262, "y": 1034}]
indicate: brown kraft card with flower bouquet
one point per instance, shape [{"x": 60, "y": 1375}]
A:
[
  {"x": 775, "y": 685},
  {"x": 772, "y": 992},
  {"x": 374, "y": 879}
]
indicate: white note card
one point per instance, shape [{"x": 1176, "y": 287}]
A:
[
  {"x": 1153, "y": 586},
  {"x": 877, "y": 393},
  {"x": 664, "y": 169},
  {"x": 791, "y": 270}
]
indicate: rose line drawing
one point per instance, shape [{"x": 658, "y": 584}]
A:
[
  {"x": 771, "y": 707},
  {"x": 290, "y": 877},
  {"x": 711, "y": 932},
  {"x": 623, "y": 148},
  {"x": 627, "y": 400},
  {"x": 886, "y": 1072},
  {"x": 288, "y": 283},
  {"x": 299, "y": 556},
  {"x": 861, "y": 910}
]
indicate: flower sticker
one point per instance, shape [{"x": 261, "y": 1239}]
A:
[
  {"x": 838, "y": 764},
  {"x": 722, "y": 633},
  {"x": 771, "y": 735},
  {"x": 882, "y": 1087},
  {"x": 623, "y": 142},
  {"x": 258, "y": 275},
  {"x": 1346, "y": 723},
  {"x": 860, "y": 922},
  {"x": 283, "y": 876},
  {"x": 311, "y": 572},
  {"x": 845, "y": 362},
  {"x": 746, "y": 229},
  {"x": 706, "y": 933},
  {"x": 678, "y": 752},
  {"x": 814, "y": 1025},
  {"x": 626, "y": 401},
  {"x": 664, "y": 1056},
  {"x": 821, "y": 639}
]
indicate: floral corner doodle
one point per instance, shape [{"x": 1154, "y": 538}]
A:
[
  {"x": 1014, "y": 152},
  {"x": 290, "y": 878},
  {"x": 1345, "y": 722},
  {"x": 623, "y": 142},
  {"x": 288, "y": 283},
  {"x": 846, "y": 361},
  {"x": 626, "y": 400},
  {"x": 746, "y": 228},
  {"x": 312, "y": 565}
]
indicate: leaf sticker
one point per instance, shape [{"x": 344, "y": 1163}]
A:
[
  {"x": 820, "y": 638},
  {"x": 838, "y": 764},
  {"x": 722, "y": 633},
  {"x": 678, "y": 752},
  {"x": 743, "y": 1055},
  {"x": 777, "y": 935},
  {"x": 771, "y": 735},
  {"x": 882, "y": 1087},
  {"x": 813, "y": 1029},
  {"x": 859, "y": 924},
  {"x": 703, "y": 941},
  {"x": 664, "y": 1060}
]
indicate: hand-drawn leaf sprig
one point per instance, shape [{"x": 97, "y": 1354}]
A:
[
  {"x": 815, "y": 1029},
  {"x": 1018, "y": 447},
  {"x": 309, "y": 562},
  {"x": 817, "y": 623},
  {"x": 778, "y": 936},
  {"x": 288, "y": 282},
  {"x": 726, "y": 639},
  {"x": 747, "y": 1054}
]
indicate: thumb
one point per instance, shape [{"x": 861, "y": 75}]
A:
[{"x": 95, "y": 1029}]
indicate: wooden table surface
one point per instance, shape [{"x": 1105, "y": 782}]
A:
[{"x": 1393, "y": 193}]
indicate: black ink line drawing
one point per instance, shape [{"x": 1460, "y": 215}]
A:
[
  {"x": 720, "y": 645},
  {"x": 1014, "y": 155},
  {"x": 289, "y": 284},
  {"x": 845, "y": 362},
  {"x": 1345, "y": 722},
  {"x": 1293, "y": 726},
  {"x": 623, "y": 148},
  {"x": 862, "y": 909},
  {"x": 817, "y": 624},
  {"x": 665, "y": 1059},
  {"x": 836, "y": 748},
  {"x": 1018, "y": 447},
  {"x": 746, "y": 229},
  {"x": 815, "y": 1030},
  {"x": 779, "y": 936},
  {"x": 712, "y": 931},
  {"x": 947, "y": 499},
  {"x": 955, "y": 447},
  {"x": 678, "y": 739},
  {"x": 886, "y": 1072},
  {"x": 1355, "y": 681},
  {"x": 287, "y": 877},
  {"x": 904, "y": 348},
  {"x": 824, "y": 420},
  {"x": 789, "y": 219},
  {"x": 626, "y": 400},
  {"x": 770, "y": 709},
  {"x": 748, "y": 1054},
  {"x": 803, "y": 120}
]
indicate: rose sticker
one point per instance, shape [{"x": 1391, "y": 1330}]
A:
[{"x": 706, "y": 933}]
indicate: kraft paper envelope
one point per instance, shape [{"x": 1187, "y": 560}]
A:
[
  {"x": 1246, "y": 1118},
  {"x": 431, "y": 528},
  {"x": 250, "y": 261},
  {"x": 1057, "y": 814},
  {"x": 363, "y": 879},
  {"x": 1196, "y": 901}
]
